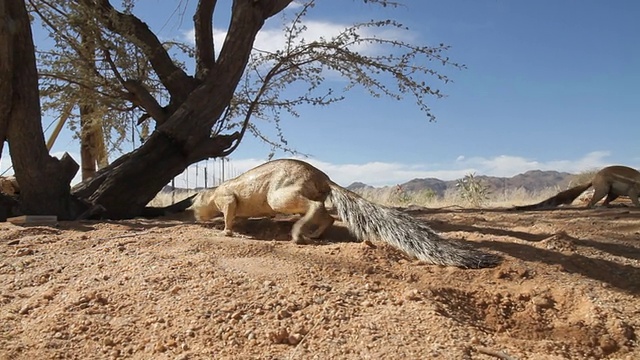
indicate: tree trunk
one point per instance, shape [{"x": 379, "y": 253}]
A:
[
  {"x": 99, "y": 147},
  {"x": 44, "y": 180},
  {"x": 87, "y": 112},
  {"x": 87, "y": 161},
  {"x": 93, "y": 154},
  {"x": 125, "y": 187}
]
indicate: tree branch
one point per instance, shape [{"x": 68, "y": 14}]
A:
[
  {"x": 253, "y": 105},
  {"x": 203, "y": 23},
  {"x": 88, "y": 87},
  {"x": 140, "y": 96},
  {"x": 144, "y": 99},
  {"x": 213, "y": 147},
  {"x": 247, "y": 18},
  {"x": 272, "y": 7},
  {"x": 177, "y": 82}
]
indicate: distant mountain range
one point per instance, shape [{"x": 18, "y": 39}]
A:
[{"x": 531, "y": 181}]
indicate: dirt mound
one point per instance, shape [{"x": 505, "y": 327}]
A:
[{"x": 569, "y": 288}]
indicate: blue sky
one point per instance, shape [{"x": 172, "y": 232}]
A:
[{"x": 549, "y": 85}]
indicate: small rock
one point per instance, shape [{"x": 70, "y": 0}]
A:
[
  {"x": 283, "y": 314},
  {"x": 543, "y": 301},
  {"x": 294, "y": 339},
  {"x": 279, "y": 336},
  {"x": 413, "y": 295},
  {"x": 236, "y": 315},
  {"x": 24, "y": 252},
  {"x": 49, "y": 294},
  {"x": 25, "y": 309},
  {"x": 160, "y": 347},
  {"x": 608, "y": 345}
]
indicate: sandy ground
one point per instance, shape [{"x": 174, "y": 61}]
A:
[{"x": 169, "y": 289}]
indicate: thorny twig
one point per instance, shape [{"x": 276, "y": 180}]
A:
[{"x": 496, "y": 353}]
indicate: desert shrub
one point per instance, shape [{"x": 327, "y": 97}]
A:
[
  {"x": 399, "y": 196},
  {"x": 472, "y": 191},
  {"x": 424, "y": 197}
]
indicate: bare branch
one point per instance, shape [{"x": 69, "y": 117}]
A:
[
  {"x": 177, "y": 82},
  {"x": 140, "y": 96},
  {"x": 203, "y": 22},
  {"x": 143, "y": 98},
  {"x": 88, "y": 87},
  {"x": 112, "y": 65}
]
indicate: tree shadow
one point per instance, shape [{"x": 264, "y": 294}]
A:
[
  {"x": 562, "y": 211},
  {"x": 613, "y": 248},
  {"x": 621, "y": 250},
  {"x": 443, "y": 227},
  {"x": 620, "y": 276}
]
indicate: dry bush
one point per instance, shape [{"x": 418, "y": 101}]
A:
[
  {"x": 451, "y": 197},
  {"x": 394, "y": 196}
]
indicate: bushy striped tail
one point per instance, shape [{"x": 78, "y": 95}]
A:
[{"x": 367, "y": 220}]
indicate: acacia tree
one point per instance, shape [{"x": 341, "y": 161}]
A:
[{"x": 207, "y": 114}]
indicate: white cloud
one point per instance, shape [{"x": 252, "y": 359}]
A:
[
  {"x": 272, "y": 39},
  {"x": 384, "y": 173},
  {"x": 505, "y": 165},
  {"x": 379, "y": 174},
  {"x": 294, "y": 5}
]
